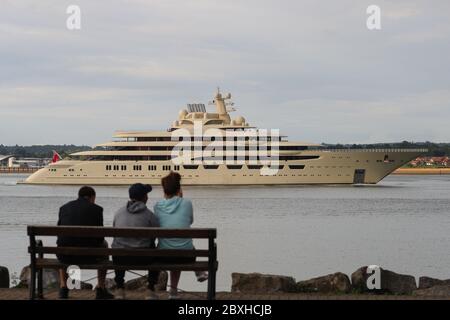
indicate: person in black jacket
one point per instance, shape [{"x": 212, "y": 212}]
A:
[{"x": 82, "y": 212}]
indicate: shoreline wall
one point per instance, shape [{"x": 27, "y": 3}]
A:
[{"x": 424, "y": 171}]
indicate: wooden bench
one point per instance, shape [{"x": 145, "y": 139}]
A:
[{"x": 39, "y": 262}]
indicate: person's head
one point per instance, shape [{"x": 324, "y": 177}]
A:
[
  {"x": 171, "y": 184},
  {"x": 139, "y": 192},
  {"x": 87, "y": 193}
]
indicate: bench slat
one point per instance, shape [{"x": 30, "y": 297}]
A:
[
  {"x": 195, "y": 266},
  {"x": 87, "y": 231},
  {"x": 120, "y": 252}
]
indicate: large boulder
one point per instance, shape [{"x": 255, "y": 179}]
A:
[
  {"x": 359, "y": 280},
  {"x": 110, "y": 284},
  {"x": 436, "y": 291},
  {"x": 261, "y": 283},
  {"x": 390, "y": 282},
  {"x": 332, "y": 283},
  {"x": 427, "y": 282},
  {"x": 4, "y": 277},
  {"x": 141, "y": 283},
  {"x": 50, "y": 279}
]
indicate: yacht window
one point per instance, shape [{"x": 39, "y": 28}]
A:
[
  {"x": 190, "y": 166},
  {"x": 296, "y": 166},
  {"x": 211, "y": 166}
]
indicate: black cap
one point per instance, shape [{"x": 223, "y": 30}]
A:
[{"x": 139, "y": 190}]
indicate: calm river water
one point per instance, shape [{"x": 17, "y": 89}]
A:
[{"x": 402, "y": 224}]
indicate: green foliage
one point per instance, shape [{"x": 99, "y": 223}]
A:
[{"x": 40, "y": 151}]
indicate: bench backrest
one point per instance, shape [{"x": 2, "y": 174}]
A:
[
  {"x": 92, "y": 232},
  {"x": 34, "y": 231}
]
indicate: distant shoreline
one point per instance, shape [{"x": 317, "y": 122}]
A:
[{"x": 424, "y": 171}]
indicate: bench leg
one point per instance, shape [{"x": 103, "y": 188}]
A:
[
  {"x": 214, "y": 286},
  {"x": 40, "y": 284},
  {"x": 209, "y": 295},
  {"x": 211, "y": 285},
  {"x": 32, "y": 284}
]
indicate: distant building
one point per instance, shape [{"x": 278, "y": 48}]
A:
[
  {"x": 431, "y": 162},
  {"x": 12, "y": 162},
  {"x": 4, "y": 160}
]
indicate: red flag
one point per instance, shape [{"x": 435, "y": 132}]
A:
[{"x": 56, "y": 157}]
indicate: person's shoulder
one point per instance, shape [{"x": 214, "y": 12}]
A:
[
  {"x": 186, "y": 202},
  {"x": 149, "y": 212},
  {"x": 122, "y": 210},
  {"x": 157, "y": 206},
  {"x": 69, "y": 204},
  {"x": 96, "y": 207},
  {"x": 89, "y": 206}
]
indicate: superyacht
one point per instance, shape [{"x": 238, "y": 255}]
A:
[{"x": 211, "y": 148}]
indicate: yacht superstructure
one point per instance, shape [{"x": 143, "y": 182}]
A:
[{"x": 211, "y": 148}]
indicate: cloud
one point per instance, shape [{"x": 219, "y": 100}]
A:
[
  {"x": 310, "y": 68},
  {"x": 359, "y": 121}
]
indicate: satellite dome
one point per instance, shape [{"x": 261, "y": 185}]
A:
[
  {"x": 239, "y": 121},
  {"x": 182, "y": 114}
]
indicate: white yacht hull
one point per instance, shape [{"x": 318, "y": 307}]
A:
[{"x": 347, "y": 166}]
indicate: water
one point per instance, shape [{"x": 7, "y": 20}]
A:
[{"x": 402, "y": 224}]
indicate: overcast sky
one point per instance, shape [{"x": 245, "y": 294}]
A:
[{"x": 309, "y": 68}]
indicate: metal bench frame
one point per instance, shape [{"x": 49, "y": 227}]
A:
[{"x": 38, "y": 262}]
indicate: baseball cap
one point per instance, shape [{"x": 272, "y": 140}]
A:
[{"x": 139, "y": 190}]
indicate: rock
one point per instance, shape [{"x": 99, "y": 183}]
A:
[
  {"x": 391, "y": 282},
  {"x": 50, "y": 278},
  {"x": 332, "y": 283},
  {"x": 264, "y": 283},
  {"x": 110, "y": 284},
  {"x": 136, "y": 283},
  {"x": 4, "y": 277},
  {"x": 141, "y": 283},
  {"x": 427, "y": 282},
  {"x": 162, "y": 281},
  {"x": 86, "y": 286},
  {"x": 435, "y": 291}
]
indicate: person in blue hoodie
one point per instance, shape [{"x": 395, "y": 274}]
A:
[{"x": 174, "y": 211}]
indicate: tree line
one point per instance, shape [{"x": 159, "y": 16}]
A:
[
  {"x": 46, "y": 151},
  {"x": 40, "y": 151}
]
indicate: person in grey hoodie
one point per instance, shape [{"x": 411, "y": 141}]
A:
[{"x": 135, "y": 214}]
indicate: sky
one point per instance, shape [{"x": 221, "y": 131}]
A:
[{"x": 309, "y": 68}]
